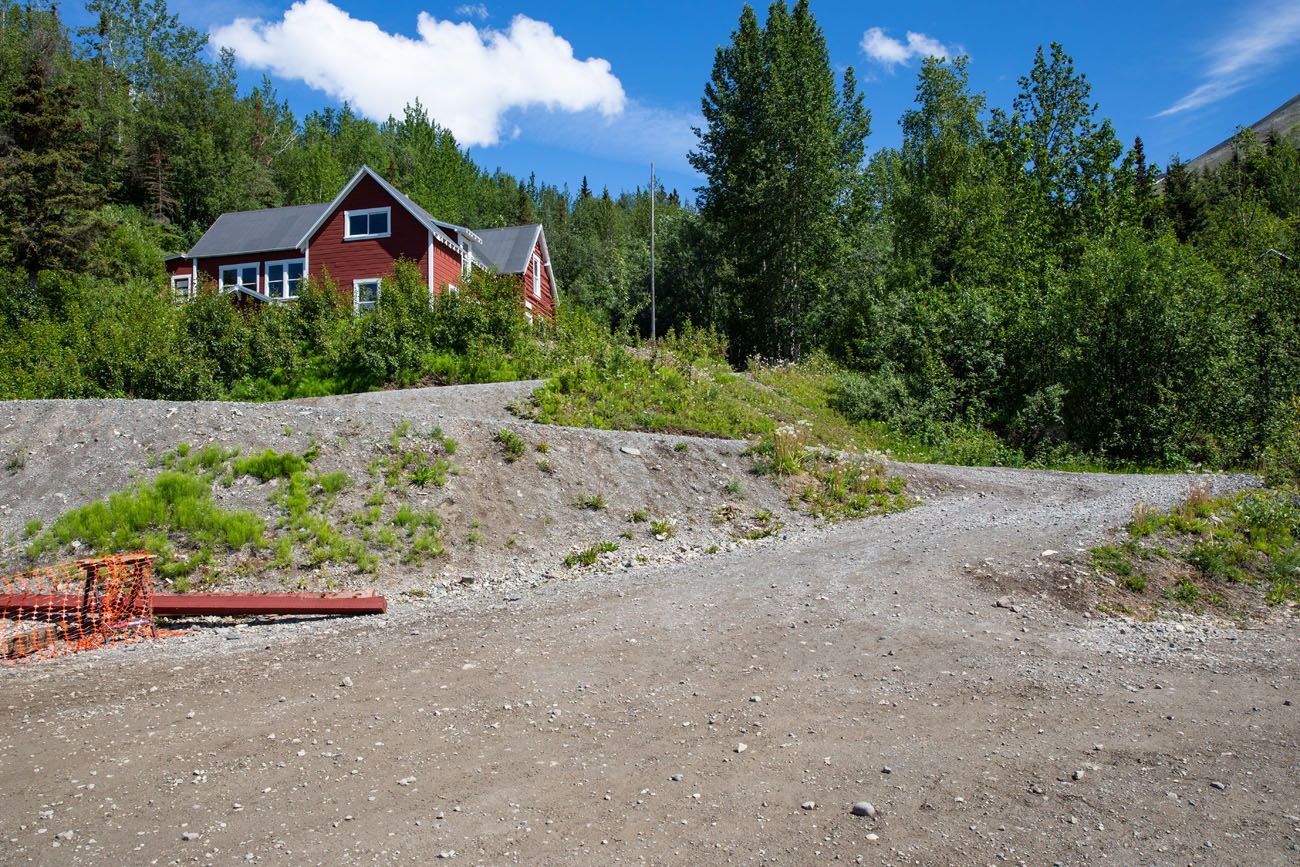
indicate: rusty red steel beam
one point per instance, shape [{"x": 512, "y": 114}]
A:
[{"x": 215, "y": 604}]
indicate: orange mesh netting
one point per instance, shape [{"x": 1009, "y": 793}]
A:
[{"x": 76, "y": 606}]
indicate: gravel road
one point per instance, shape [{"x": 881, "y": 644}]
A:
[{"x": 728, "y": 710}]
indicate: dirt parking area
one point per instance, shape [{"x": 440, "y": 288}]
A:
[{"x": 723, "y": 710}]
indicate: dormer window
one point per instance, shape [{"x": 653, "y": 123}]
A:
[{"x": 369, "y": 223}]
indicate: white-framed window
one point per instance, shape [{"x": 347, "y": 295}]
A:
[
  {"x": 537, "y": 276},
  {"x": 284, "y": 278},
  {"x": 368, "y": 223},
  {"x": 183, "y": 286},
  {"x": 466, "y": 260},
  {"x": 241, "y": 277},
  {"x": 365, "y": 294}
]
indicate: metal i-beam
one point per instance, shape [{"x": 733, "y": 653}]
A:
[{"x": 214, "y": 604}]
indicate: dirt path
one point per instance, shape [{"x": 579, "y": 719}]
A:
[{"x": 549, "y": 725}]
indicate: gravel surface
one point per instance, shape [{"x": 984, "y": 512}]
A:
[{"x": 729, "y": 709}]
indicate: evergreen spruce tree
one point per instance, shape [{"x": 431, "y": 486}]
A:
[
  {"x": 779, "y": 146},
  {"x": 44, "y": 198},
  {"x": 585, "y": 192}
]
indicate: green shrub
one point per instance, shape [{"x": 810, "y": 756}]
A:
[
  {"x": 594, "y": 502},
  {"x": 270, "y": 464},
  {"x": 512, "y": 445},
  {"x": 1281, "y": 458},
  {"x": 589, "y": 556}
]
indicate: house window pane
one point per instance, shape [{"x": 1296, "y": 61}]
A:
[
  {"x": 366, "y": 295},
  {"x": 379, "y": 223},
  {"x": 295, "y": 278},
  {"x": 275, "y": 281},
  {"x": 248, "y": 277},
  {"x": 357, "y": 224},
  {"x": 229, "y": 279}
]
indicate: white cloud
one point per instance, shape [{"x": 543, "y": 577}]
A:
[
  {"x": 891, "y": 52},
  {"x": 472, "y": 10},
  {"x": 468, "y": 77},
  {"x": 1256, "y": 45}
]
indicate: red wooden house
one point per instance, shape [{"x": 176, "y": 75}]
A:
[{"x": 354, "y": 241}]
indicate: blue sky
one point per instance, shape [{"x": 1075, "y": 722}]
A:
[{"x": 600, "y": 89}]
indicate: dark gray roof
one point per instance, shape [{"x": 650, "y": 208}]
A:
[
  {"x": 507, "y": 250},
  {"x": 257, "y": 231}
]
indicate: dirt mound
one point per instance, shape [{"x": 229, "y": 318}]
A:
[{"x": 655, "y": 497}]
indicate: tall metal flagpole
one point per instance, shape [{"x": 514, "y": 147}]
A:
[{"x": 652, "y": 251}]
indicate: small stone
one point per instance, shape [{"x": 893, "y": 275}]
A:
[
  {"x": 1004, "y": 602},
  {"x": 190, "y": 836},
  {"x": 864, "y": 808},
  {"x": 66, "y": 835},
  {"x": 628, "y": 450},
  {"x": 1217, "y": 785},
  {"x": 755, "y": 698},
  {"x": 740, "y": 748},
  {"x": 346, "y": 683},
  {"x": 809, "y": 805},
  {"x": 886, "y": 770},
  {"x": 1078, "y": 774},
  {"x": 406, "y": 781},
  {"x": 873, "y": 837},
  {"x": 676, "y": 778}
]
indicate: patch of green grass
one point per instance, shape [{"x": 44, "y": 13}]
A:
[
  {"x": 269, "y": 464},
  {"x": 1246, "y": 539},
  {"x": 512, "y": 444},
  {"x": 681, "y": 446},
  {"x": 31, "y": 528},
  {"x": 593, "y": 502},
  {"x": 639, "y": 516},
  {"x": 663, "y": 527},
  {"x": 174, "y": 504},
  {"x": 543, "y": 447},
  {"x": 765, "y": 524},
  {"x": 399, "y": 433},
  {"x": 1116, "y": 561},
  {"x": 736, "y": 488},
  {"x": 589, "y": 556},
  {"x": 1185, "y": 592},
  {"x": 431, "y": 473},
  {"x": 546, "y": 466}
]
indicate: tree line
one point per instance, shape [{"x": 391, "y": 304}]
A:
[
  {"x": 1012, "y": 268},
  {"x": 1015, "y": 269}
]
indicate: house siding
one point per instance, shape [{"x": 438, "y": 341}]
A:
[
  {"x": 345, "y": 261},
  {"x": 446, "y": 267},
  {"x": 545, "y": 306}
]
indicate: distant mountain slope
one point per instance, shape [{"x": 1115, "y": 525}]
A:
[{"x": 1284, "y": 118}]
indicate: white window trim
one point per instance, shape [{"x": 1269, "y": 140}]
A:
[
  {"x": 537, "y": 276},
  {"x": 466, "y": 260},
  {"x": 356, "y": 291},
  {"x": 347, "y": 223},
  {"x": 286, "y": 263},
  {"x": 186, "y": 293},
  {"x": 256, "y": 288}
]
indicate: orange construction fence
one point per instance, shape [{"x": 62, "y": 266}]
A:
[{"x": 76, "y": 606}]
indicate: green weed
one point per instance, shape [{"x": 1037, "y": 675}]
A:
[
  {"x": 588, "y": 556},
  {"x": 512, "y": 445}
]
